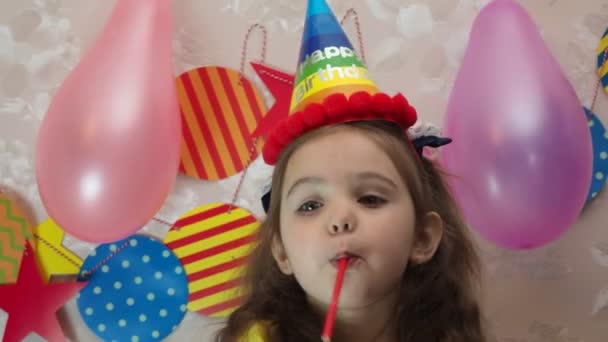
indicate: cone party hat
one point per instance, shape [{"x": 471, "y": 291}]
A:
[
  {"x": 328, "y": 63},
  {"x": 331, "y": 86}
]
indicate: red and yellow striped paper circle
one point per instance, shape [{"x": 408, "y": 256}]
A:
[
  {"x": 15, "y": 228},
  {"x": 213, "y": 243},
  {"x": 220, "y": 109}
]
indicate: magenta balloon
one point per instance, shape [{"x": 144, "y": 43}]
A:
[
  {"x": 522, "y": 155},
  {"x": 108, "y": 149}
]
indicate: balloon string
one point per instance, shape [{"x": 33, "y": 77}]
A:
[
  {"x": 57, "y": 251},
  {"x": 105, "y": 260},
  {"x": 353, "y": 13},
  {"x": 170, "y": 225},
  {"x": 244, "y": 49},
  {"x": 239, "y": 186},
  {"x": 599, "y": 81},
  {"x": 252, "y": 151}
]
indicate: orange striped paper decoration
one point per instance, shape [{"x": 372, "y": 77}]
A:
[
  {"x": 15, "y": 228},
  {"x": 220, "y": 109},
  {"x": 213, "y": 243}
]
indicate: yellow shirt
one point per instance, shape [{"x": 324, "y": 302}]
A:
[{"x": 255, "y": 333}]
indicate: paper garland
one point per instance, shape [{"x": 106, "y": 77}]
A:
[
  {"x": 213, "y": 243},
  {"x": 220, "y": 109},
  {"x": 138, "y": 291}
]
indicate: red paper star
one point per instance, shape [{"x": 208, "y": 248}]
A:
[
  {"x": 32, "y": 304},
  {"x": 280, "y": 85}
]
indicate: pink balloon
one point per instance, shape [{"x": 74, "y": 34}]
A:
[
  {"x": 108, "y": 148},
  {"x": 521, "y": 156}
]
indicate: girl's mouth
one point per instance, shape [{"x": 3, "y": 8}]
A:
[{"x": 353, "y": 259}]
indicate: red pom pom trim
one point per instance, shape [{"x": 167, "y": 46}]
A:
[
  {"x": 314, "y": 115},
  {"x": 359, "y": 104},
  {"x": 410, "y": 117},
  {"x": 400, "y": 103},
  {"x": 296, "y": 125},
  {"x": 382, "y": 106},
  {"x": 271, "y": 150},
  {"x": 281, "y": 133},
  {"x": 337, "y": 108}
]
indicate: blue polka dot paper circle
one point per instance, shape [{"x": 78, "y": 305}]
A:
[
  {"x": 599, "y": 139},
  {"x": 139, "y": 294}
]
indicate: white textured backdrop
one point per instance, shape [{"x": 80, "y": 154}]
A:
[{"x": 557, "y": 293}]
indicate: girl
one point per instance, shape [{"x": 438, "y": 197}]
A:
[{"x": 350, "y": 183}]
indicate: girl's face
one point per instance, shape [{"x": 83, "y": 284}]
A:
[{"x": 342, "y": 195}]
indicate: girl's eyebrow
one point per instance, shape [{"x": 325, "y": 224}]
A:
[
  {"x": 305, "y": 180},
  {"x": 359, "y": 177},
  {"x": 371, "y": 175}
]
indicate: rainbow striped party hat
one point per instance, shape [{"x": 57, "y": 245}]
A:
[
  {"x": 331, "y": 86},
  {"x": 328, "y": 63}
]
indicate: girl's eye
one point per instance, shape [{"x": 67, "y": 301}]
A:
[
  {"x": 309, "y": 206},
  {"x": 372, "y": 201}
]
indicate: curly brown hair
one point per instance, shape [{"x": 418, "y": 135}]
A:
[{"x": 438, "y": 299}]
